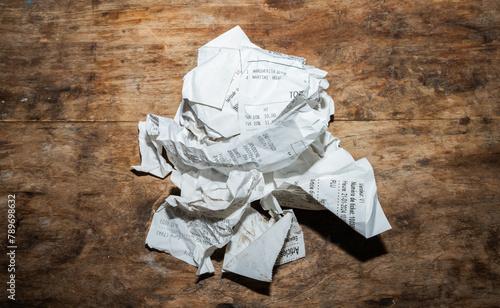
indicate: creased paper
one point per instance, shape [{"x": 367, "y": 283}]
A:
[
  {"x": 255, "y": 246},
  {"x": 251, "y": 126}
]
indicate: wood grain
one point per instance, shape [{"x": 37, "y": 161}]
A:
[{"x": 416, "y": 91}]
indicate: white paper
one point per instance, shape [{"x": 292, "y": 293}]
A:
[
  {"x": 191, "y": 228},
  {"x": 251, "y": 126},
  {"x": 152, "y": 161},
  {"x": 255, "y": 246},
  {"x": 294, "y": 247},
  {"x": 346, "y": 188}
]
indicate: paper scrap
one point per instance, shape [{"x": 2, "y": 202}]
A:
[
  {"x": 192, "y": 228},
  {"x": 251, "y": 126},
  {"x": 255, "y": 246}
]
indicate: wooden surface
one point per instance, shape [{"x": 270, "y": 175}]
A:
[{"x": 416, "y": 86}]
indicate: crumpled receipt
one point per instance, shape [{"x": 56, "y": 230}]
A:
[{"x": 252, "y": 126}]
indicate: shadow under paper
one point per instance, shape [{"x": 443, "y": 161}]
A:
[{"x": 339, "y": 233}]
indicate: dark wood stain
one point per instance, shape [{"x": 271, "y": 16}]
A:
[
  {"x": 285, "y": 4},
  {"x": 464, "y": 121}
]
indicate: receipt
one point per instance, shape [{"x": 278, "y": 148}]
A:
[
  {"x": 191, "y": 228},
  {"x": 251, "y": 126},
  {"x": 258, "y": 244}
]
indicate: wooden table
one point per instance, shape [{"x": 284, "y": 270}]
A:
[{"x": 416, "y": 86}]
